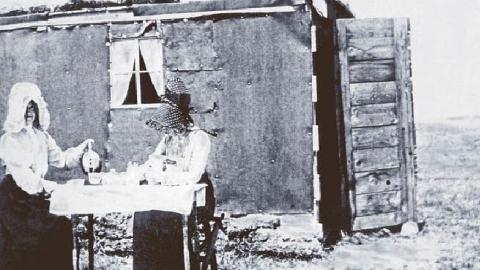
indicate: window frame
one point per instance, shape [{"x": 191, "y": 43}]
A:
[{"x": 137, "y": 72}]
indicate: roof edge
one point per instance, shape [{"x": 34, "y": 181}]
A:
[
  {"x": 78, "y": 5},
  {"x": 126, "y": 15},
  {"x": 211, "y": 5},
  {"x": 139, "y": 7},
  {"x": 160, "y": 11}
]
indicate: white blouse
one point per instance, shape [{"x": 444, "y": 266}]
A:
[
  {"x": 189, "y": 152},
  {"x": 28, "y": 153}
]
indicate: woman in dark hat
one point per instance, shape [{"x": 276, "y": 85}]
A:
[
  {"x": 31, "y": 237},
  {"x": 183, "y": 149},
  {"x": 182, "y": 155}
]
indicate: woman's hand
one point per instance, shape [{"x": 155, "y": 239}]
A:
[
  {"x": 49, "y": 186},
  {"x": 86, "y": 144}
]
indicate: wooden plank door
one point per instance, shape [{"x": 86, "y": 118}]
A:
[{"x": 379, "y": 136}]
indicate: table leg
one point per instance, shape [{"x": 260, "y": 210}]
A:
[
  {"x": 186, "y": 252},
  {"x": 75, "y": 221},
  {"x": 91, "y": 242},
  {"x": 77, "y": 248}
]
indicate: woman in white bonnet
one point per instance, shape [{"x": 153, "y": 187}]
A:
[{"x": 31, "y": 237}]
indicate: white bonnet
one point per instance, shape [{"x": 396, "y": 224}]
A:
[{"x": 20, "y": 95}]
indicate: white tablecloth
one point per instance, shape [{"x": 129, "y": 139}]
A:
[{"x": 79, "y": 199}]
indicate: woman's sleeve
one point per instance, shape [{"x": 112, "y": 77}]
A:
[
  {"x": 58, "y": 158},
  {"x": 158, "y": 153},
  {"x": 14, "y": 158},
  {"x": 25, "y": 178},
  {"x": 199, "y": 158}
]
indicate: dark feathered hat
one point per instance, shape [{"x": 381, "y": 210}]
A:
[
  {"x": 177, "y": 93},
  {"x": 176, "y": 86},
  {"x": 168, "y": 115}
]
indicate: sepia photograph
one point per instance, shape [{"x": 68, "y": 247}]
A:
[{"x": 239, "y": 134}]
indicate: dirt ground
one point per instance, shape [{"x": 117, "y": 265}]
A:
[
  {"x": 450, "y": 239},
  {"x": 448, "y": 196}
]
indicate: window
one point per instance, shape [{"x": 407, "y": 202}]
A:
[{"x": 136, "y": 72}]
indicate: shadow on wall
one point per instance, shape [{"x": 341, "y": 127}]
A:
[{"x": 326, "y": 110}]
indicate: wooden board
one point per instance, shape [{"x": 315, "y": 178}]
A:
[
  {"x": 33, "y": 17},
  {"x": 347, "y": 177},
  {"x": 378, "y": 119},
  {"x": 375, "y": 137},
  {"x": 369, "y": 28},
  {"x": 378, "y": 181},
  {"x": 370, "y": 48},
  {"x": 126, "y": 30},
  {"x": 378, "y": 203},
  {"x": 374, "y": 115},
  {"x": 373, "y": 93},
  {"x": 402, "y": 71},
  {"x": 211, "y": 5},
  {"x": 375, "y": 159},
  {"x": 376, "y": 221},
  {"x": 372, "y": 71}
]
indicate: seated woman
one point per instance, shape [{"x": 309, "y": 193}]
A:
[
  {"x": 182, "y": 154},
  {"x": 180, "y": 158},
  {"x": 31, "y": 237}
]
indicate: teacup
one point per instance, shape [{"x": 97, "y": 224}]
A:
[{"x": 94, "y": 178}]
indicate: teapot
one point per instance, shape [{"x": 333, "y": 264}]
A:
[{"x": 90, "y": 160}]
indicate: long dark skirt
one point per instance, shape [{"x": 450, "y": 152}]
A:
[
  {"x": 31, "y": 237},
  {"x": 158, "y": 235}
]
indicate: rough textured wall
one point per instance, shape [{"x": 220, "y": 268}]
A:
[
  {"x": 263, "y": 160},
  {"x": 250, "y": 82},
  {"x": 129, "y": 139},
  {"x": 70, "y": 67}
]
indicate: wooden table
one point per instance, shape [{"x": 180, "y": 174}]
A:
[{"x": 101, "y": 199}]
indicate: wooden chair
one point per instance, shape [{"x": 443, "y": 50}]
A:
[{"x": 204, "y": 238}]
